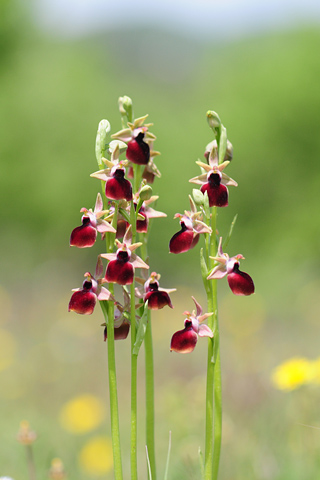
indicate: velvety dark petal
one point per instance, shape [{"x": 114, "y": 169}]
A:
[
  {"x": 83, "y": 236},
  {"x": 83, "y": 302},
  {"x": 218, "y": 194},
  {"x": 240, "y": 282},
  {"x": 142, "y": 225},
  {"x": 138, "y": 151},
  {"x": 119, "y": 272},
  {"x": 184, "y": 340},
  {"x": 118, "y": 187},
  {"x": 148, "y": 176},
  {"x": 121, "y": 228},
  {"x": 120, "y": 333},
  {"x": 181, "y": 241},
  {"x": 157, "y": 300}
]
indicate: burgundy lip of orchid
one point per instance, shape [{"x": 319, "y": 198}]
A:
[
  {"x": 191, "y": 227},
  {"x": 138, "y": 150},
  {"x": 84, "y": 300},
  {"x": 156, "y": 297},
  {"x": 184, "y": 341},
  {"x": 122, "y": 264},
  {"x": 85, "y": 235},
  {"x": 240, "y": 282}
]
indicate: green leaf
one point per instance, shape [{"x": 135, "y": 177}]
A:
[
  {"x": 125, "y": 215},
  {"x": 201, "y": 463},
  {"x": 225, "y": 243},
  {"x": 141, "y": 330},
  {"x": 222, "y": 144},
  {"x": 168, "y": 458}
]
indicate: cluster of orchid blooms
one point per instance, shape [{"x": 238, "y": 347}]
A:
[
  {"x": 137, "y": 142},
  {"x": 121, "y": 215}
]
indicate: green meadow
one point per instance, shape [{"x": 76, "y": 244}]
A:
[{"x": 53, "y": 93}]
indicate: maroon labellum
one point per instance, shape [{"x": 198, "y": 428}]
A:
[
  {"x": 217, "y": 192},
  {"x": 240, "y": 282},
  {"x": 138, "y": 150},
  {"x": 118, "y": 187},
  {"x": 83, "y": 236}
]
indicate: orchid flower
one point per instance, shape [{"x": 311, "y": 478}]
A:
[
  {"x": 122, "y": 264},
  {"x": 240, "y": 282},
  {"x": 191, "y": 227},
  {"x": 214, "y": 181},
  {"x": 85, "y": 235},
  {"x": 184, "y": 341}
]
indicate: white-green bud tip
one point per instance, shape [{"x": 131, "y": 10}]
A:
[
  {"x": 145, "y": 193},
  {"x": 213, "y": 119}
]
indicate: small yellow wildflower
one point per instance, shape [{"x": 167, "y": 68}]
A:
[
  {"x": 96, "y": 458},
  {"x": 82, "y": 414},
  {"x": 293, "y": 373}
]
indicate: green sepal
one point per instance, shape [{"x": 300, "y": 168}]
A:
[
  {"x": 204, "y": 272},
  {"x": 198, "y": 196},
  {"x": 227, "y": 239},
  {"x": 206, "y": 204},
  {"x": 141, "y": 330},
  {"x": 104, "y": 128},
  {"x": 124, "y": 214},
  {"x": 222, "y": 143}
]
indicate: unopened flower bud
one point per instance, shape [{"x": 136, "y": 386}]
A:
[
  {"x": 125, "y": 107},
  {"x": 213, "y": 119},
  {"x": 145, "y": 193},
  {"x": 101, "y": 139}
]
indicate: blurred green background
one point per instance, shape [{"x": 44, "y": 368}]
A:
[{"x": 54, "y": 90}]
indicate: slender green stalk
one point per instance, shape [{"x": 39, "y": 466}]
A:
[
  {"x": 150, "y": 414},
  {"x": 134, "y": 362},
  {"x": 149, "y": 372},
  {"x": 108, "y": 311}
]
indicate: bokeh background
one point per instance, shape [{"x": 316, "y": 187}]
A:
[{"x": 63, "y": 65}]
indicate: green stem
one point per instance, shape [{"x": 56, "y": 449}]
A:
[
  {"x": 213, "y": 393},
  {"x": 31, "y": 465},
  {"x": 108, "y": 311},
  {"x": 134, "y": 360},
  {"x": 150, "y": 434},
  {"x": 149, "y": 372}
]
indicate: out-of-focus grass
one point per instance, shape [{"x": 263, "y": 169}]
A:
[{"x": 52, "y": 96}]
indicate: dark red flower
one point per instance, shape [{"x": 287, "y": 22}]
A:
[
  {"x": 122, "y": 264},
  {"x": 157, "y": 297},
  {"x": 217, "y": 192},
  {"x": 138, "y": 150},
  {"x": 86, "y": 234},
  {"x": 184, "y": 341},
  {"x": 240, "y": 282},
  {"x": 118, "y": 187},
  {"x": 191, "y": 227},
  {"x": 84, "y": 300}
]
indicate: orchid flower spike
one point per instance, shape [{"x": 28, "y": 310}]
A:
[
  {"x": 214, "y": 181},
  {"x": 240, "y": 282},
  {"x": 136, "y": 136},
  {"x": 156, "y": 297},
  {"x": 84, "y": 299},
  {"x": 191, "y": 227},
  {"x": 122, "y": 264},
  {"x": 85, "y": 235},
  {"x": 184, "y": 341}
]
